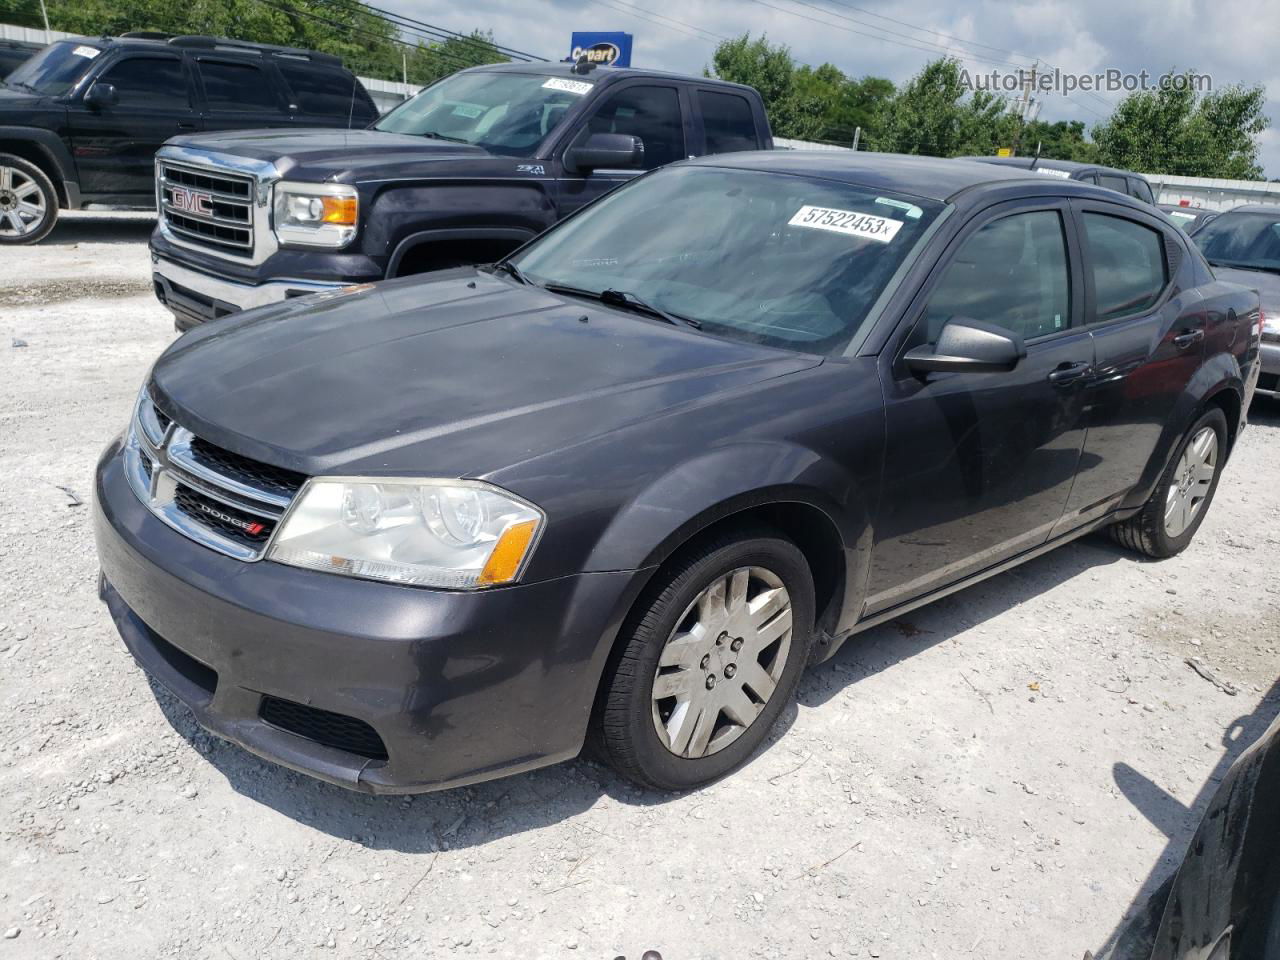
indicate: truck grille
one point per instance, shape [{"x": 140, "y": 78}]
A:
[
  {"x": 221, "y": 499},
  {"x": 211, "y": 209}
]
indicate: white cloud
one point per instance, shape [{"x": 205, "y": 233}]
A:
[{"x": 1232, "y": 40}]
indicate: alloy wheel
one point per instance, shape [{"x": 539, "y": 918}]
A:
[
  {"x": 1192, "y": 481},
  {"x": 722, "y": 662},
  {"x": 22, "y": 203}
]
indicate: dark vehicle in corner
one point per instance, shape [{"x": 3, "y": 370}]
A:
[
  {"x": 631, "y": 481},
  {"x": 1243, "y": 246},
  {"x": 1190, "y": 219},
  {"x": 14, "y": 53},
  {"x": 1121, "y": 181},
  {"x": 463, "y": 173},
  {"x": 81, "y": 121}
]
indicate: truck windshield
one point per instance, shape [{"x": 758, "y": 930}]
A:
[
  {"x": 1247, "y": 240},
  {"x": 779, "y": 259},
  {"x": 506, "y": 113},
  {"x": 55, "y": 69}
]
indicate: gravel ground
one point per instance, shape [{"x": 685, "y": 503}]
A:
[{"x": 1001, "y": 774}]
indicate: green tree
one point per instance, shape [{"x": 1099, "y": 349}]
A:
[
  {"x": 1175, "y": 130},
  {"x": 1063, "y": 140},
  {"x": 934, "y": 114},
  {"x": 842, "y": 104}
]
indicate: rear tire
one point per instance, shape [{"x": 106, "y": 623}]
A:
[
  {"x": 1168, "y": 521},
  {"x": 723, "y": 636},
  {"x": 28, "y": 202}
]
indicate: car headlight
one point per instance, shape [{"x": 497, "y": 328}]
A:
[
  {"x": 316, "y": 214},
  {"x": 456, "y": 534}
]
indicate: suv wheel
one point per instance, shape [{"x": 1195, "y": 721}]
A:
[
  {"x": 1170, "y": 518},
  {"x": 709, "y": 662},
  {"x": 28, "y": 202}
]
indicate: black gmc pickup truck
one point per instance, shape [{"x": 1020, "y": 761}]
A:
[{"x": 465, "y": 172}]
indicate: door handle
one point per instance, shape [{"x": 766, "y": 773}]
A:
[
  {"x": 1185, "y": 340},
  {"x": 183, "y": 125},
  {"x": 1069, "y": 372}
]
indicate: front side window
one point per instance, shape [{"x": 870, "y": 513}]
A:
[
  {"x": 149, "y": 83},
  {"x": 1249, "y": 241},
  {"x": 729, "y": 122},
  {"x": 506, "y": 113},
  {"x": 1013, "y": 273},
  {"x": 233, "y": 87},
  {"x": 1129, "y": 269},
  {"x": 55, "y": 69},
  {"x": 787, "y": 261},
  {"x": 650, "y": 113}
]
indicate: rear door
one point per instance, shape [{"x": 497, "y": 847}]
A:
[
  {"x": 726, "y": 123},
  {"x": 1147, "y": 351},
  {"x": 115, "y": 146},
  {"x": 978, "y": 466},
  {"x": 654, "y": 112},
  {"x": 240, "y": 94}
]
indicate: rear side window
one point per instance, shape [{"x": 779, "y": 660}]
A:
[
  {"x": 1118, "y": 184},
  {"x": 327, "y": 93},
  {"x": 231, "y": 87},
  {"x": 729, "y": 123},
  {"x": 149, "y": 83},
  {"x": 1129, "y": 269},
  {"x": 1013, "y": 273},
  {"x": 1141, "y": 191}
]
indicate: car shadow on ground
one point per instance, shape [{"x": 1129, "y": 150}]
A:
[
  {"x": 100, "y": 228},
  {"x": 1265, "y": 412},
  {"x": 481, "y": 814},
  {"x": 1179, "y": 821}
]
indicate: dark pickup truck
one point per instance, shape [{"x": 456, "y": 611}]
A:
[{"x": 465, "y": 172}]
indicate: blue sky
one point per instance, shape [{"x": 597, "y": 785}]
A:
[{"x": 1234, "y": 41}]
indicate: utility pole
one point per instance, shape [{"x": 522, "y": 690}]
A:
[
  {"x": 404, "y": 64},
  {"x": 1027, "y": 105},
  {"x": 857, "y": 135},
  {"x": 45, "y": 13}
]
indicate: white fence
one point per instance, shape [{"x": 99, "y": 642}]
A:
[{"x": 1212, "y": 194}]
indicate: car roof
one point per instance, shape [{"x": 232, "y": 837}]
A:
[
  {"x": 562, "y": 68},
  {"x": 1270, "y": 208},
  {"x": 932, "y": 178},
  {"x": 1048, "y": 163},
  {"x": 148, "y": 40}
]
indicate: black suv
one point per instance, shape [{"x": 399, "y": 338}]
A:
[
  {"x": 465, "y": 172},
  {"x": 1121, "y": 181},
  {"x": 80, "y": 122}
]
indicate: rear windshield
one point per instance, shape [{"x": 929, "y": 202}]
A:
[
  {"x": 1247, "y": 240},
  {"x": 55, "y": 69}
]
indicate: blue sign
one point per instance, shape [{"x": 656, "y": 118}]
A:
[{"x": 602, "y": 49}]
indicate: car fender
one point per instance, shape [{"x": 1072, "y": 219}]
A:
[
  {"x": 515, "y": 235},
  {"x": 58, "y": 160}
]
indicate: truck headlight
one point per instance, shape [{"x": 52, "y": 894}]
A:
[
  {"x": 316, "y": 214},
  {"x": 455, "y": 534}
]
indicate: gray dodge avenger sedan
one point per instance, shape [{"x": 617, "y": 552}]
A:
[{"x": 623, "y": 486}]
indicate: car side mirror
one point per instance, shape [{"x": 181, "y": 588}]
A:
[
  {"x": 970, "y": 346},
  {"x": 615, "y": 151},
  {"x": 102, "y": 95}
]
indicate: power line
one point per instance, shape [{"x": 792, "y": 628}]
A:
[
  {"x": 678, "y": 26},
  {"x": 441, "y": 33}
]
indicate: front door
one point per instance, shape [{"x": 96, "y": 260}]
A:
[
  {"x": 978, "y": 466},
  {"x": 651, "y": 112},
  {"x": 115, "y": 145},
  {"x": 1146, "y": 354}
]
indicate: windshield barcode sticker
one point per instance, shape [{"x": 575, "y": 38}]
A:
[
  {"x": 863, "y": 225},
  {"x": 1060, "y": 174},
  {"x": 568, "y": 86},
  {"x": 88, "y": 52}
]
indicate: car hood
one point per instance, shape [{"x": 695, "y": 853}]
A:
[
  {"x": 458, "y": 376},
  {"x": 321, "y": 154},
  {"x": 1267, "y": 284}
]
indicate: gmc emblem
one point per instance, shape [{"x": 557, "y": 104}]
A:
[{"x": 180, "y": 198}]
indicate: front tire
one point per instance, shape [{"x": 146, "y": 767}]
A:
[
  {"x": 711, "y": 657},
  {"x": 1168, "y": 521},
  {"x": 28, "y": 202}
]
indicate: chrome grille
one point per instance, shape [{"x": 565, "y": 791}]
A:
[
  {"x": 218, "y": 208},
  {"x": 221, "y": 499}
]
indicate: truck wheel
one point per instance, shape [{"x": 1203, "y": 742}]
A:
[
  {"x": 712, "y": 656},
  {"x": 1170, "y": 518},
  {"x": 28, "y": 202}
]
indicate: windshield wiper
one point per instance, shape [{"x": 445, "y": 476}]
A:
[
  {"x": 628, "y": 301},
  {"x": 440, "y": 136},
  {"x": 514, "y": 272},
  {"x": 20, "y": 83}
]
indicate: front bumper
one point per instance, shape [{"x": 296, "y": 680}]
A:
[
  {"x": 1269, "y": 381},
  {"x": 195, "y": 297},
  {"x": 458, "y": 687}
]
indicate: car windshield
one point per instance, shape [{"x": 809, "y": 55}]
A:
[
  {"x": 788, "y": 261},
  {"x": 1247, "y": 240},
  {"x": 55, "y": 69},
  {"x": 506, "y": 113}
]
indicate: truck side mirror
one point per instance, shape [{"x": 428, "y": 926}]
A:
[
  {"x": 614, "y": 151},
  {"x": 102, "y": 95},
  {"x": 968, "y": 346}
]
